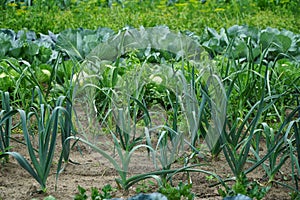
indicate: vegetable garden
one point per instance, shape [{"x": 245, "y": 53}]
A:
[{"x": 109, "y": 99}]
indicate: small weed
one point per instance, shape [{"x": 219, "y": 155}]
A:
[
  {"x": 81, "y": 195},
  {"x": 174, "y": 193},
  {"x": 50, "y": 197},
  {"x": 210, "y": 178},
  {"x": 245, "y": 187},
  {"x": 95, "y": 194},
  {"x": 295, "y": 195},
  {"x": 145, "y": 187}
]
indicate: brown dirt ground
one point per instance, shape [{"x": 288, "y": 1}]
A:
[{"x": 95, "y": 171}]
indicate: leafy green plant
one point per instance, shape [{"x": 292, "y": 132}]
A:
[
  {"x": 65, "y": 122},
  {"x": 50, "y": 197},
  {"x": 126, "y": 121},
  {"x": 24, "y": 80},
  {"x": 82, "y": 194},
  {"x": 105, "y": 193},
  {"x": 295, "y": 195},
  {"x": 144, "y": 186},
  {"x": 183, "y": 190},
  {"x": 242, "y": 39},
  {"x": 79, "y": 42},
  {"x": 243, "y": 186},
  {"x": 241, "y": 130},
  {"x": 27, "y": 45}
]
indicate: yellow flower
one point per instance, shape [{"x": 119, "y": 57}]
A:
[
  {"x": 204, "y": 11},
  {"x": 20, "y": 12},
  {"x": 219, "y": 9},
  {"x": 162, "y": 6},
  {"x": 12, "y": 4},
  {"x": 181, "y": 4}
]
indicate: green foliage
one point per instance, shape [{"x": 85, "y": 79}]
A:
[
  {"x": 272, "y": 4},
  {"x": 238, "y": 42},
  {"x": 278, "y": 156},
  {"x": 50, "y": 197},
  {"x": 144, "y": 187},
  {"x": 26, "y": 45},
  {"x": 105, "y": 193},
  {"x": 242, "y": 131},
  {"x": 190, "y": 15},
  {"x": 243, "y": 186},
  {"x": 47, "y": 120},
  {"x": 259, "y": 67},
  {"x": 6, "y": 127},
  {"x": 295, "y": 195},
  {"x": 79, "y": 42},
  {"x": 182, "y": 191},
  {"x": 82, "y": 194}
]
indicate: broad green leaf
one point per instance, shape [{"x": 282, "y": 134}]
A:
[
  {"x": 31, "y": 49},
  {"x": 282, "y": 42}
]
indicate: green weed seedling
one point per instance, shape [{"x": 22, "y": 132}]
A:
[
  {"x": 210, "y": 178},
  {"x": 50, "y": 197},
  {"x": 144, "y": 187},
  {"x": 82, "y": 194},
  {"x": 95, "y": 194},
  {"x": 182, "y": 191},
  {"x": 245, "y": 187},
  {"x": 295, "y": 195}
]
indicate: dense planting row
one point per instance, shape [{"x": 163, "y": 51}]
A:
[{"x": 41, "y": 51}]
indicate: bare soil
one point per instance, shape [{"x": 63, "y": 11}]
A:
[{"x": 95, "y": 171}]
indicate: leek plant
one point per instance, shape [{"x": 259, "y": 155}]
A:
[
  {"x": 41, "y": 157},
  {"x": 66, "y": 96},
  {"x": 241, "y": 124},
  {"x": 125, "y": 182},
  {"x": 169, "y": 143},
  {"x": 242, "y": 135},
  {"x": 279, "y": 152},
  {"x": 294, "y": 152},
  {"x": 124, "y": 156},
  {"x": 281, "y": 146},
  {"x": 6, "y": 126},
  {"x": 128, "y": 107}
]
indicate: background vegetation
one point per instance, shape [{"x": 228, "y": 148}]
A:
[{"x": 192, "y": 15}]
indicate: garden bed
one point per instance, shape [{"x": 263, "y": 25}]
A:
[{"x": 96, "y": 171}]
